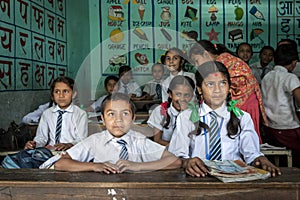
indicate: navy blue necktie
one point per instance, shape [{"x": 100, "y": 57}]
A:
[
  {"x": 214, "y": 139},
  {"x": 124, "y": 152},
  {"x": 158, "y": 91},
  {"x": 58, "y": 126},
  {"x": 125, "y": 89}
]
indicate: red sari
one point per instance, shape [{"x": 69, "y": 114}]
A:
[{"x": 245, "y": 89}]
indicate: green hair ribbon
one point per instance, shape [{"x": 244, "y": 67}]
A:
[
  {"x": 235, "y": 109},
  {"x": 194, "y": 117}
]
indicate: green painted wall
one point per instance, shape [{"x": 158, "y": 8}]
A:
[{"x": 15, "y": 104}]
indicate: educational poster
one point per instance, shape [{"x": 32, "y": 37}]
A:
[
  {"x": 212, "y": 21},
  {"x": 288, "y": 20},
  {"x": 150, "y": 27},
  {"x": 114, "y": 23},
  {"x": 188, "y": 24},
  {"x": 33, "y": 49},
  {"x": 141, "y": 37}
]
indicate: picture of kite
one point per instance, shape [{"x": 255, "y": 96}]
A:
[
  {"x": 191, "y": 13},
  {"x": 255, "y": 33}
]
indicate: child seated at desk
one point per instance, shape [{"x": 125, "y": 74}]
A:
[
  {"x": 118, "y": 148},
  {"x": 163, "y": 117},
  {"x": 34, "y": 117},
  {"x": 230, "y": 134},
  {"x": 110, "y": 84},
  {"x": 64, "y": 124},
  {"x": 174, "y": 61},
  {"x": 126, "y": 84},
  {"x": 153, "y": 87}
]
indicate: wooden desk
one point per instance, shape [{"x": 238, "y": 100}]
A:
[
  {"x": 49, "y": 184},
  {"x": 145, "y": 104}
]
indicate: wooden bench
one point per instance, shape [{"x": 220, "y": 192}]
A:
[{"x": 277, "y": 153}]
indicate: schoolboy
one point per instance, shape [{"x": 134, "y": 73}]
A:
[
  {"x": 281, "y": 92},
  {"x": 110, "y": 84},
  {"x": 264, "y": 65},
  {"x": 153, "y": 88},
  {"x": 105, "y": 149},
  {"x": 126, "y": 84}
]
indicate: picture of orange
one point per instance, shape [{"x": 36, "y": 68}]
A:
[{"x": 116, "y": 35}]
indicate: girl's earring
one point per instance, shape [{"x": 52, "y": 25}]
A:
[
  {"x": 201, "y": 98},
  {"x": 229, "y": 96}
]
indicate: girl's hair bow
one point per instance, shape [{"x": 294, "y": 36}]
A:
[
  {"x": 238, "y": 112},
  {"x": 164, "y": 108},
  {"x": 194, "y": 117}
]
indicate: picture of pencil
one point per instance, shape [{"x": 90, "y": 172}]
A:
[{"x": 140, "y": 33}]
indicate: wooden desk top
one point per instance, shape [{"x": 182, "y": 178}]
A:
[
  {"x": 172, "y": 184},
  {"x": 291, "y": 176}
]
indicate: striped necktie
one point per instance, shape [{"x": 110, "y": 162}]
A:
[
  {"x": 124, "y": 152},
  {"x": 58, "y": 126},
  {"x": 158, "y": 90},
  {"x": 214, "y": 139},
  {"x": 125, "y": 89}
]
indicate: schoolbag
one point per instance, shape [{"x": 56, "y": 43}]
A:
[
  {"x": 21, "y": 134},
  {"x": 15, "y": 137},
  {"x": 27, "y": 158}
]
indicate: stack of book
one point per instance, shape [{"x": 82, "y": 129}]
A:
[{"x": 235, "y": 171}]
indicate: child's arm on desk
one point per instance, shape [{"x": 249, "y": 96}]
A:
[
  {"x": 66, "y": 163},
  {"x": 167, "y": 161}
]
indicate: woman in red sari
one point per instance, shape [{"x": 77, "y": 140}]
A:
[{"x": 244, "y": 86}]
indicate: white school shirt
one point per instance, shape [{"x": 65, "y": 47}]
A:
[
  {"x": 103, "y": 147},
  {"x": 156, "y": 118},
  {"x": 243, "y": 147},
  {"x": 74, "y": 126},
  {"x": 132, "y": 88},
  {"x": 97, "y": 104},
  {"x": 34, "y": 116},
  {"x": 150, "y": 87},
  {"x": 277, "y": 93},
  {"x": 167, "y": 81}
]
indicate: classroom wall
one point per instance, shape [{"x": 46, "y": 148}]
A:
[{"x": 16, "y": 103}]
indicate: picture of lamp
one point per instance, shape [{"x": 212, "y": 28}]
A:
[{"x": 213, "y": 10}]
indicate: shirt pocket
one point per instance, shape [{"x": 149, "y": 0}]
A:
[{"x": 230, "y": 147}]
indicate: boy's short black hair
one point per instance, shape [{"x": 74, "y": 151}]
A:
[
  {"x": 267, "y": 48},
  {"x": 287, "y": 41},
  {"x": 285, "y": 54},
  {"x": 123, "y": 69},
  {"x": 241, "y": 44},
  {"x": 115, "y": 97},
  {"x": 110, "y": 77}
]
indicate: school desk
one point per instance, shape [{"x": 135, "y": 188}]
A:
[
  {"x": 145, "y": 105},
  {"x": 37, "y": 184}
]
